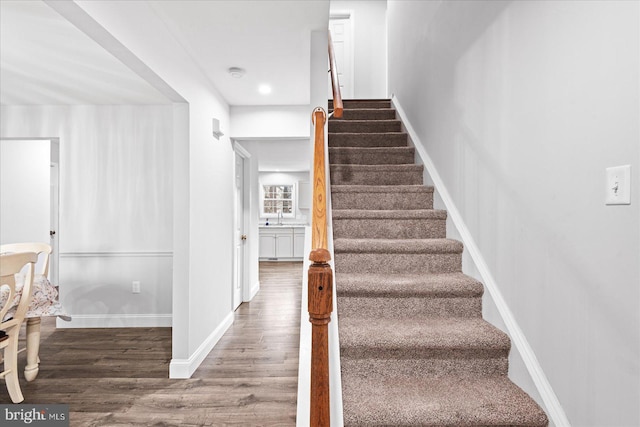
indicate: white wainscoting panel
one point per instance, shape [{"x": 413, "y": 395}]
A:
[{"x": 96, "y": 289}]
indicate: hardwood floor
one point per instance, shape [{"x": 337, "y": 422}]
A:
[{"x": 118, "y": 377}]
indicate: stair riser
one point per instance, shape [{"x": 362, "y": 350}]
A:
[
  {"x": 352, "y": 176},
  {"x": 368, "y": 126},
  {"x": 398, "y": 263},
  {"x": 367, "y": 114},
  {"x": 409, "y": 368},
  {"x": 374, "y": 103},
  {"x": 425, "y": 352},
  {"x": 382, "y": 201},
  {"x": 367, "y": 140},
  {"x": 389, "y": 228},
  {"x": 397, "y": 308},
  {"x": 371, "y": 157}
]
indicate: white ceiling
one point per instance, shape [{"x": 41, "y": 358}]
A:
[
  {"x": 269, "y": 39},
  {"x": 46, "y": 60}
]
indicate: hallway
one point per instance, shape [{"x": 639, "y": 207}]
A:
[{"x": 119, "y": 376}]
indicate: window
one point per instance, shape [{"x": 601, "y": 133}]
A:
[{"x": 277, "y": 199}]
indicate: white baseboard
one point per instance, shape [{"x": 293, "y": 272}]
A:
[
  {"x": 552, "y": 404},
  {"x": 184, "y": 368},
  {"x": 116, "y": 321},
  {"x": 254, "y": 290}
]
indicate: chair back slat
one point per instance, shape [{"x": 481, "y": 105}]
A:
[
  {"x": 10, "y": 265},
  {"x": 42, "y": 249}
]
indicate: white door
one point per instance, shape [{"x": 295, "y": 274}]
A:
[
  {"x": 25, "y": 192},
  {"x": 53, "y": 233},
  {"x": 340, "y": 27},
  {"x": 239, "y": 234}
]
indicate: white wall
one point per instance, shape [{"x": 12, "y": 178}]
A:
[
  {"x": 203, "y": 181},
  {"x": 369, "y": 21},
  {"x": 115, "y": 208},
  {"x": 273, "y": 121},
  {"x": 522, "y": 105}
]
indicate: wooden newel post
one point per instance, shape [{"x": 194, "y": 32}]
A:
[{"x": 320, "y": 305}]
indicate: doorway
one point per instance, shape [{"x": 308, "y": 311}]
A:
[
  {"x": 241, "y": 217},
  {"x": 29, "y": 176},
  {"x": 340, "y": 26}
]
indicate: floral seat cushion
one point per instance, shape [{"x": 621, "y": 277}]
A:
[{"x": 44, "y": 300}]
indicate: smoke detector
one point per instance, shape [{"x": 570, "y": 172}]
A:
[{"x": 237, "y": 72}]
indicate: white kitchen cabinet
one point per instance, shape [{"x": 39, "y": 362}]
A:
[
  {"x": 298, "y": 243},
  {"x": 281, "y": 243},
  {"x": 267, "y": 245},
  {"x": 284, "y": 245}
]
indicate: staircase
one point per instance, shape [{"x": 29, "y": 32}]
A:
[{"x": 414, "y": 347}]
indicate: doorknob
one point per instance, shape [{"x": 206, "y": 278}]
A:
[
  {"x": 51, "y": 233},
  {"x": 243, "y": 237}
]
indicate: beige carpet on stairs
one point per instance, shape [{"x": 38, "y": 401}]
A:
[{"x": 414, "y": 347}]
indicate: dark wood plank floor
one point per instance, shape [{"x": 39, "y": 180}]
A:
[{"x": 118, "y": 377}]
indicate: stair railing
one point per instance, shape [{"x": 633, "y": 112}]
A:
[
  {"x": 320, "y": 296},
  {"x": 335, "y": 83}
]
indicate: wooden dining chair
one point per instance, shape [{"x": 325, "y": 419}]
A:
[
  {"x": 10, "y": 265},
  {"x": 43, "y": 251}
]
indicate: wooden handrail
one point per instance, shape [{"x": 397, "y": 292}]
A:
[
  {"x": 320, "y": 283},
  {"x": 319, "y": 213},
  {"x": 335, "y": 83}
]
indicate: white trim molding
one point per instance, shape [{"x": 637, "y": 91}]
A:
[
  {"x": 253, "y": 291},
  {"x": 116, "y": 254},
  {"x": 184, "y": 368},
  {"x": 115, "y": 321},
  {"x": 550, "y": 400}
]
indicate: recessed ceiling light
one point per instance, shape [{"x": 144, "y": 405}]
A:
[
  {"x": 237, "y": 72},
  {"x": 264, "y": 89}
]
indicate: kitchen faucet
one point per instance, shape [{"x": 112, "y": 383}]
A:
[{"x": 280, "y": 216}]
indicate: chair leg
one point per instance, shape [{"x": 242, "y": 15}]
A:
[
  {"x": 33, "y": 348},
  {"x": 11, "y": 365}
]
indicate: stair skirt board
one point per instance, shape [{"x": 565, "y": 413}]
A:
[{"x": 414, "y": 347}]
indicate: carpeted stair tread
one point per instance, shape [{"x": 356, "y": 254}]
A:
[
  {"x": 389, "y": 224},
  {"x": 364, "y": 126},
  {"x": 356, "y": 139},
  {"x": 407, "y": 174},
  {"x": 389, "y": 214},
  {"x": 372, "y": 337},
  {"x": 381, "y": 197},
  {"x": 372, "y": 156},
  {"x": 437, "y": 401},
  {"x": 379, "y": 168},
  {"x": 366, "y": 114},
  {"x": 445, "y": 285},
  {"x": 397, "y": 246},
  {"x": 363, "y": 103},
  {"x": 346, "y": 188}
]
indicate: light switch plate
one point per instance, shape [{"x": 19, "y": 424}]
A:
[{"x": 618, "y": 185}]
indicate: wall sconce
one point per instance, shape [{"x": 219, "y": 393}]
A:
[{"x": 217, "y": 133}]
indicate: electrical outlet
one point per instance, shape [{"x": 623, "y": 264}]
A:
[
  {"x": 135, "y": 287},
  {"x": 618, "y": 185}
]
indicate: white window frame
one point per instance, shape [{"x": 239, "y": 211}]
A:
[{"x": 275, "y": 215}]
